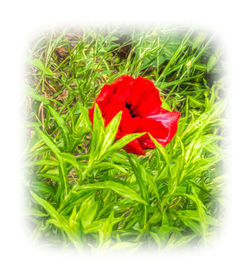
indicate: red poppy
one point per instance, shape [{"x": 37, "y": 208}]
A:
[{"x": 140, "y": 103}]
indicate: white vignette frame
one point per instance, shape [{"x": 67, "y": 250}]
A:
[{"x": 226, "y": 255}]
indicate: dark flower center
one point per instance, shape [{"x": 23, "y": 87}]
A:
[{"x": 132, "y": 113}]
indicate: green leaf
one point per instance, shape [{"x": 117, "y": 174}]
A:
[
  {"x": 194, "y": 215},
  {"x": 160, "y": 148},
  {"x": 51, "y": 211},
  {"x": 193, "y": 225},
  {"x": 58, "y": 220},
  {"x": 62, "y": 170},
  {"x": 39, "y": 64},
  {"x": 98, "y": 135},
  {"x": 38, "y": 97},
  {"x": 123, "y": 141},
  {"x": 43, "y": 189},
  {"x": 63, "y": 181},
  {"x": 73, "y": 224},
  {"x": 110, "y": 132},
  {"x": 83, "y": 124},
  {"x": 213, "y": 60},
  {"x": 109, "y": 165},
  {"x": 66, "y": 157},
  {"x": 94, "y": 226},
  {"x": 42, "y": 163},
  {"x": 153, "y": 186},
  {"x": 69, "y": 158},
  {"x": 141, "y": 176},
  {"x": 116, "y": 187},
  {"x": 199, "y": 39},
  {"x": 201, "y": 211},
  {"x": 177, "y": 242},
  {"x": 87, "y": 211},
  {"x": 48, "y": 142},
  {"x": 106, "y": 228},
  {"x": 59, "y": 120}
]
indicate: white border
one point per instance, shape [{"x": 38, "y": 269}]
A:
[{"x": 21, "y": 20}]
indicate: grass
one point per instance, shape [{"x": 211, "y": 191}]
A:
[{"x": 82, "y": 189}]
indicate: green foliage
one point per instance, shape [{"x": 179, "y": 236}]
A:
[{"x": 85, "y": 190}]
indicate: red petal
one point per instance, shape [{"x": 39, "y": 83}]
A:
[
  {"x": 134, "y": 147},
  {"x": 141, "y": 105},
  {"x": 102, "y": 99},
  {"x": 144, "y": 98},
  {"x": 128, "y": 123},
  {"x": 155, "y": 128},
  {"x": 148, "y": 143},
  {"x": 124, "y": 80},
  {"x": 169, "y": 120},
  {"x": 91, "y": 114},
  {"x": 105, "y": 95},
  {"x": 111, "y": 103}
]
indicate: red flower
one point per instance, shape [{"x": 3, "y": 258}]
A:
[{"x": 140, "y": 103}]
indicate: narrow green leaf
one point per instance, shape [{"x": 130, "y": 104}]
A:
[
  {"x": 48, "y": 142},
  {"x": 106, "y": 228},
  {"x": 201, "y": 210},
  {"x": 61, "y": 124},
  {"x": 87, "y": 211},
  {"x": 194, "y": 215},
  {"x": 49, "y": 209},
  {"x": 73, "y": 224},
  {"x": 141, "y": 176},
  {"x": 153, "y": 186},
  {"x": 63, "y": 180},
  {"x": 116, "y": 187},
  {"x": 193, "y": 225},
  {"x": 212, "y": 62},
  {"x": 42, "y": 188},
  {"x": 39, "y": 64},
  {"x": 83, "y": 124},
  {"x": 69, "y": 158},
  {"x": 109, "y": 165},
  {"x": 198, "y": 40},
  {"x": 38, "y": 97},
  {"x": 123, "y": 141},
  {"x": 56, "y": 151},
  {"x": 57, "y": 219},
  {"x": 98, "y": 135},
  {"x": 94, "y": 226},
  {"x": 160, "y": 148},
  {"x": 42, "y": 163},
  {"x": 110, "y": 132}
]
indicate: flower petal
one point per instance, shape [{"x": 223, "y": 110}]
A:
[
  {"x": 128, "y": 123},
  {"x": 91, "y": 113},
  {"x": 144, "y": 98},
  {"x": 112, "y": 98},
  {"x": 155, "y": 128},
  {"x": 168, "y": 120},
  {"x": 103, "y": 98},
  {"x": 105, "y": 95},
  {"x": 147, "y": 143},
  {"x": 140, "y": 103},
  {"x": 132, "y": 147}
]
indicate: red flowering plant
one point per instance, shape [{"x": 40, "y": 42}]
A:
[{"x": 140, "y": 103}]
